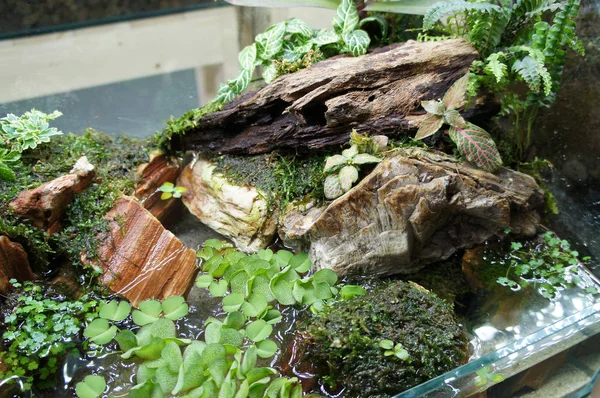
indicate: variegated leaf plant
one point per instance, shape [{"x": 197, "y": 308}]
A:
[
  {"x": 344, "y": 168},
  {"x": 473, "y": 142}
]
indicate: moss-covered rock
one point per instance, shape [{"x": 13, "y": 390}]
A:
[{"x": 345, "y": 340}]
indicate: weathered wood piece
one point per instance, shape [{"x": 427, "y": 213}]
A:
[
  {"x": 378, "y": 93},
  {"x": 13, "y": 264}
]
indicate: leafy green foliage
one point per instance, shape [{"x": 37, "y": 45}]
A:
[
  {"x": 226, "y": 362},
  {"x": 342, "y": 170},
  {"x": 91, "y": 387},
  {"x": 18, "y": 134},
  {"x": 169, "y": 190},
  {"x": 39, "y": 329},
  {"x": 517, "y": 46},
  {"x": 484, "y": 376},
  {"x": 350, "y": 338},
  {"x": 472, "y": 141},
  {"x": 549, "y": 263}
]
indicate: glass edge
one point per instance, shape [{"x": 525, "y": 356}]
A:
[
  {"x": 104, "y": 21},
  {"x": 470, "y": 367}
]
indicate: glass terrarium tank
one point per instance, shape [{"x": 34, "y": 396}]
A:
[{"x": 318, "y": 198}]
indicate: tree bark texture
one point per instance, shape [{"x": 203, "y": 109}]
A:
[{"x": 378, "y": 93}]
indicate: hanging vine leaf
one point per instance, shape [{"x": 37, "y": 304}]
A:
[
  {"x": 429, "y": 126},
  {"x": 477, "y": 146},
  {"x": 247, "y": 57},
  {"x": 455, "y": 96}
]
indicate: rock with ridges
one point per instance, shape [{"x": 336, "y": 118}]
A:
[
  {"x": 416, "y": 207},
  {"x": 238, "y": 212},
  {"x": 13, "y": 264},
  {"x": 140, "y": 258}
]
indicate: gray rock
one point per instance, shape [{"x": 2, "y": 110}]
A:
[{"x": 417, "y": 207}]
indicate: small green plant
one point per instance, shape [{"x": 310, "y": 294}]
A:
[
  {"x": 393, "y": 349},
  {"x": 18, "y": 134},
  {"x": 550, "y": 263},
  {"x": 169, "y": 190},
  {"x": 343, "y": 169},
  {"x": 472, "y": 141},
  {"x": 225, "y": 362},
  {"x": 484, "y": 376},
  {"x": 39, "y": 331}
]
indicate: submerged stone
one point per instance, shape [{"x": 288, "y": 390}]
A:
[{"x": 345, "y": 341}]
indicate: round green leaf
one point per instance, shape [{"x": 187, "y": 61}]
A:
[
  {"x": 258, "y": 330},
  {"x": 204, "y": 280},
  {"x": 239, "y": 282},
  {"x": 100, "y": 332},
  {"x": 326, "y": 275},
  {"x": 235, "y": 320},
  {"x": 386, "y": 344},
  {"x": 322, "y": 290},
  {"x": 90, "y": 387},
  {"x": 332, "y": 187},
  {"x": 254, "y": 306},
  {"x": 148, "y": 312},
  {"x": 114, "y": 310},
  {"x": 350, "y": 291},
  {"x": 249, "y": 361},
  {"x": 348, "y": 176},
  {"x": 232, "y": 302},
  {"x": 231, "y": 337},
  {"x": 266, "y": 348},
  {"x": 282, "y": 291},
  {"x": 172, "y": 354},
  {"x": 218, "y": 288},
  {"x": 175, "y": 308},
  {"x": 272, "y": 316},
  {"x": 300, "y": 262},
  {"x": 163, "y": 328},
  {"x": 126, "y": 340},
  {"x": 265, "y": 254}
]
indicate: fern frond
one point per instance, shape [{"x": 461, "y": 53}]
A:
[
  {"x": 529, "y": 70},
  {"x": 421, "y": 37},
  {"x": 442, "y": 9},
  {"x": 486, "y": 31},
  {"x": 496, "y": 67}
]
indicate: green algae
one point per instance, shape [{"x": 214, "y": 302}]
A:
[{"x": 345, "y": 340}]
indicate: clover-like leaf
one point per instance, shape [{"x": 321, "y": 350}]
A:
[
  {"x": 326, "y": 275},
  {"x": 204, "y": 280},
  {"x": 174, "y": 308},
  {"x": 167, "y": 187},
  {"x": 434, "y": 107},
  {"x": 455, "y": 97},
  {"x": 91, "y": 387},
  {"x": 233, "y": 302},
  {"x": 218, "y": 288},
  {"x": 332, "y": 187},
  {"x": 148, "y": 312},
  {"x": 254, "y": 306},
  {"x": 114, "y": 310},
  {"x": 266, "y": 348},
  {"x": 348, "y": 176},
  {"x": 477, "y": 146},
  {"x": 386, "y": 344},
  {"x": 258, "y": 330},
  {"x": 272, "y": 316},
  {"x": 126, "y": 340},
  {"x": 300, "y": 262},
  {"x": 429, "y": 126},
  {"x": 235, "y": 320},
  {"x": 99, "y": 331}
]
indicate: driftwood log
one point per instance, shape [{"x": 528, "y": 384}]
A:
[{"x": 378, "y": 93}]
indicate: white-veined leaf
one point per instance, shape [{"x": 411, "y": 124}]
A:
[
  {"x": 247, "y": 57},
  {"x": 333, "y": 162},
  {"x": 332, "y": 187},
  {"x": 298, "y": 26},
  {"x": 434, "y": 107},
  {"x": 325, "y": 37},
  {"x": 364, "y": 158},
  {"x": 357, "y": 42},
  {"x": 270, "y": 42},
  {"x": 269, "y": 72},
  {"x": 286, "y": 3},
  {"x": 346, "y": 18},
  {"x": 348, "y": 176}
]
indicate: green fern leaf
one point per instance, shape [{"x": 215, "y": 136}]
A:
[
  {"x": 442, "y": 9},
  {"x": 496, "y": 67},
  {"x": 529, "y": 70}
]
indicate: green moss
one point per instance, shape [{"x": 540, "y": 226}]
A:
[
  {"x": 345, "y": 339},
  {"x": 283, "y": 178},
  {"x": 183, "y": 124},
  {"x": 284, "y": 67},
  {"x": 115, "y": 160}
]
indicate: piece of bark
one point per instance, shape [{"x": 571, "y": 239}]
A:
[
  {"x": 140, "y": 258},
  {"x": 45, "y": 205},
  {"x": 153, "y": 175},
  {"x": 13, "y": 264},
  {"x": 378, "y": 93}
]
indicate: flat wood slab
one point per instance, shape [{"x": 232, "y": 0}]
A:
[{"x": 378, "y": 93}]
